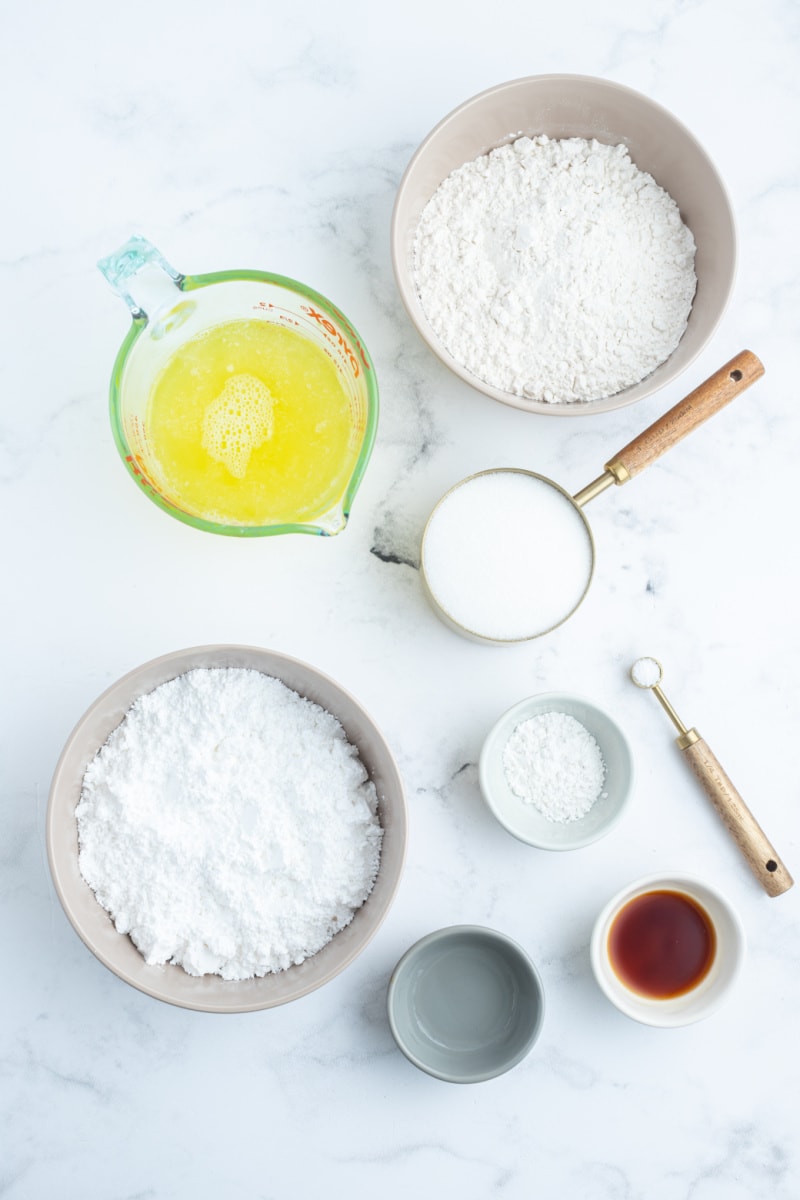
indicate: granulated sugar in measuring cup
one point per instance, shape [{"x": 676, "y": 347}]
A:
[
  {"x": 508, "y": 555},
  {"x": 485, "y": 576},
  {"x": 241, "y": 402}
]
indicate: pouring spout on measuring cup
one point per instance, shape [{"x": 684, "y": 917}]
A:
[
  {"x": 706, "y": 400},
  {"x": 150, "y": 287}
]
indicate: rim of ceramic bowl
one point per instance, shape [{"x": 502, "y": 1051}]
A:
[
  {"x": 533, "y": 706},
  {"x": 662, "y": 375},
  {"x": 479, "y": 933},
  {"x": 94, "y": 926},
  {"x": 693, "y": 1006},
  {"x": 190, "y": 283}
]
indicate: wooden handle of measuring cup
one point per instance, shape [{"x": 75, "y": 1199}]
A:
[
  {"x": 761, "y": 856},
  {"x": 706, "y": 400}
]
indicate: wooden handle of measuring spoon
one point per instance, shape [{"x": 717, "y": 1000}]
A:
[
  {"x": 706, "y": 400},
  {"x": 762, "y": 858}
]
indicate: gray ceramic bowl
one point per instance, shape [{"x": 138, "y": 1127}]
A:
[
  {"x": 465, "y": 1004},
  {"x": 702, "y": 1000},
  {"x": 564, "y": 106},
  {"x": 210, "y": 993},
  {"x": 524, "y": 820}
]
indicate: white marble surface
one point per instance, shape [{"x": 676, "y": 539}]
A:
[{"x": 274, "y": 136}]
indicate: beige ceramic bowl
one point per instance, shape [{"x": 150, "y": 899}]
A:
[
  {"x": 564, "y": 106},
  {"x": 210, "y": 993}
]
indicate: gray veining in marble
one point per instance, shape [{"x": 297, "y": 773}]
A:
[{"x": 274, "y": 137}]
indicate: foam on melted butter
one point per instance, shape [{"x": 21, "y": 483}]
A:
[
  {"x": 250, "y": 424},
  {"x": 237, "y": 423}
]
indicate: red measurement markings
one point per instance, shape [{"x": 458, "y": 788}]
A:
[
  {"x": 330, "y": 328},
  {"x": 137, "y": 466},
  {"x": 283, "y": 313},
  {"x": 352, "y": 333}
]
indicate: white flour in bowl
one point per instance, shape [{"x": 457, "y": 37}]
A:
[
  {"x": 555, "y": 270},
  {"x": 228, "y": 825}
]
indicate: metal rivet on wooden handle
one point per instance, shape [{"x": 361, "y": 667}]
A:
[
  {"x": 754, "y": 844},
  {"x": 723, "y": 386}
]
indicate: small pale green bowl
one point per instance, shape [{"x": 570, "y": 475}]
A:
[
  {"x": 524, "y": 820},
  {"x": 465, "y": 1004}
]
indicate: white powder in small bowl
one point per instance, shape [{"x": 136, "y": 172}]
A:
[
  {"x": 228, "y": 826},
  {"x": 554, "y": 763}
]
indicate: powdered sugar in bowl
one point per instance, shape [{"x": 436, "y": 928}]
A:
[
  {"x": 556, "y": 771},
  {"x": 610, "y": 128},
  {"x": 219, "y": 988}
]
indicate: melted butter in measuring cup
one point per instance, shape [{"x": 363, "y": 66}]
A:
[
  {"x": 507, "y": 555},
  {"x": 251, "y": 424},
  {"x": 237, "y": 422}
]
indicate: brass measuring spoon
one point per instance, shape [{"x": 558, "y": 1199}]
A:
[{"x": 761, "y": 856}]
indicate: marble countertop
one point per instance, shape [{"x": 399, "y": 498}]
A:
[{"x": 274, "y": 137}]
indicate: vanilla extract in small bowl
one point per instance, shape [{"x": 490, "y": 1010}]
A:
[
  {"x": 662, "y": 944},
  {"x": 667, "y": 949}
]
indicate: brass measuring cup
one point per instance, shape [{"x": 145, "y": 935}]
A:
[
  {"x": 761, "y": 856},
  {"x": 701, "y": 404}
]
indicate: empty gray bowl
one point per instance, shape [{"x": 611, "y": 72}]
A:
[{"x": 465, "y": 1004}]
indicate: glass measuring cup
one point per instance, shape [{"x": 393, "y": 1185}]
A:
[
  {"x": 508, "y": 555},
  {"x": 170, "y": 309}
]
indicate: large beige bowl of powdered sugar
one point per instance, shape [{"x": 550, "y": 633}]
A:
[
  {"x": 563, "y": 244},
  {"x": 226, "y": 828}
]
